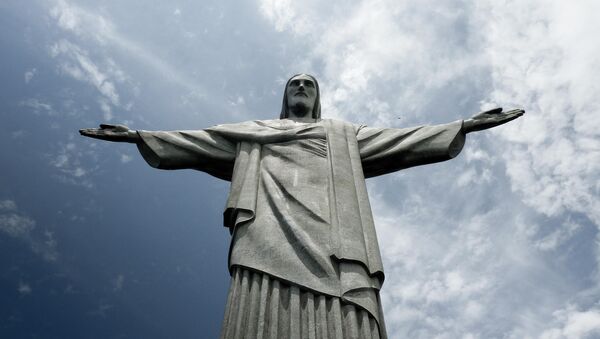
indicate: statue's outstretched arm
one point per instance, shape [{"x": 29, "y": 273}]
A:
[
  {"x": 115, "y": 133},
  {"x": 204, "y": 150},
  {"x": 489, "y": 119}
]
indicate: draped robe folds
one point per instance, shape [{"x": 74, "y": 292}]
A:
[{"x": 298, "y": 207}]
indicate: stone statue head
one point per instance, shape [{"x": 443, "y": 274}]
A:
[{"x": 301, "y": 90}]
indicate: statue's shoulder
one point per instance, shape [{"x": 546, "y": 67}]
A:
[
  {"x": 286, "y": 124},
  {"x": 244, "y": 124},
  {"x": 342, "y": 124},
  {"x": 252, "y": 126},
  {"x": 266, "y": 123}
]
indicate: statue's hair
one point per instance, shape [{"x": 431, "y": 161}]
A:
[{"x": 316, "y": 113}]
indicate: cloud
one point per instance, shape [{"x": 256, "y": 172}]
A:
[
  {"x": 24, "y": 289},
  {"x": 545, "y": 58},
  {"x": 483, "y": 248},
  {"x": 80, "y": 66},
  {"x": 84, "y": 54},
  {"x": 558, "y": 236},
  {"x": 18, "y": 226},
  {"x": 38, "y": 106},
  {"x": 94, "y": 27},
  {"x": 29, "y": 75},
  {"x": 7, "y": 205},
  {"x": 575, "y": 324},
  {"x": 447, "y": 276},
  {"x": 101, "y": 310},
  {"x": 83, "y": 23},
  {"x": 282, "y": 14},
  {"x": 118, "y": 282},
  {"x": 125, "y": 158},
  {"x": 17, "y": 134},
  {"x": 70, "y": 161},
  {"x": 15, "y": 225},
  {"x": 96, "y": 69},
  {"x": 381, "y": 59},
  {"x": 106, "y": 110}
]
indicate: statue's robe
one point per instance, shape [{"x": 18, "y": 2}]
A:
[{"x": 298, "y": 207}]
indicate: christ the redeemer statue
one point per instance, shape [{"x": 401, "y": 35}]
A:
[{"x": 304, "y": 258}]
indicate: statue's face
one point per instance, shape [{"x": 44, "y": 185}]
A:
[{"x": 302, "y": 91}]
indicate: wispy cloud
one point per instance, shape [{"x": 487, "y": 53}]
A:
[
  {"x": 117, "y": 282},
  {"x": 69, "y": 160},
  {"x": 38, "y": 106},
  {"x": 558, "y": 236},
  {"x": 29, "y": 75},
  {"x": 19, "y": 226},
  {"x": 15, "y": 225},
  {"x": 24, "y": 288},
  {"x": 125, "y": 158},
  {"x": 77, "y": 64},
  {"x": 7, "y": 205},
  {"x": 90, "y": 25},
  {"x": 574, "y": 324},
  {"x": 101, "y": 310}
]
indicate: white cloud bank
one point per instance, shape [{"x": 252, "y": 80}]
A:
[
  {"x": 465, "y": 257},
  {"x": 381, "y": 58},
  {"x": 545, "y": 57},
  {"x": 575, "y": 324}
]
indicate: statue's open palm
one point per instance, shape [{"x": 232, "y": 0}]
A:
[
  {"x": 117, "y": 133},
  {"x": 491, "y": 118}
]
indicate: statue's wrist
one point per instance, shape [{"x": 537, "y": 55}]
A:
[
  {"x": 467, "y": 126},
  {"x": 133, "y": 136}
]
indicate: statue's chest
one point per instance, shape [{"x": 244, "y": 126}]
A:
[{"x": 298, "y": 170}]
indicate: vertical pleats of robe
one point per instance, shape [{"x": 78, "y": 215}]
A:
[{"x": 259, "y": 306}]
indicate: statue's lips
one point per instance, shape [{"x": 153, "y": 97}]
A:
[{"x": 302, "y": 94}]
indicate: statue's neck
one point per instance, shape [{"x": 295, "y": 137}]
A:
[{"x": 300, "y": 114}]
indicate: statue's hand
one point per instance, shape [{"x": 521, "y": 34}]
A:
[
  {"x": 489, "y": 119},
  {"x": 117, "y": 133}
]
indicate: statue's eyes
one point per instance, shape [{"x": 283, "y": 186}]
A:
[{"x": 306, "y": 83}]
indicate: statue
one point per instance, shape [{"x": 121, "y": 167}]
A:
[{"x": 304, "y": 257}]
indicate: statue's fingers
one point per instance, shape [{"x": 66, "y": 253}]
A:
[
  {"x": 88, "y": 131},
  {"x": 93, "y": 133},
  {"x": 509, "y": 117},
  {"x": 107, "y": 126},
  {"x": 496, "y": 110},
  {"x": 517, "y": 111},
  {"x": 514, "y": 113}
]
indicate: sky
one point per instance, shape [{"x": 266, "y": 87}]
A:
[{"x": 501, "y": 242}]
